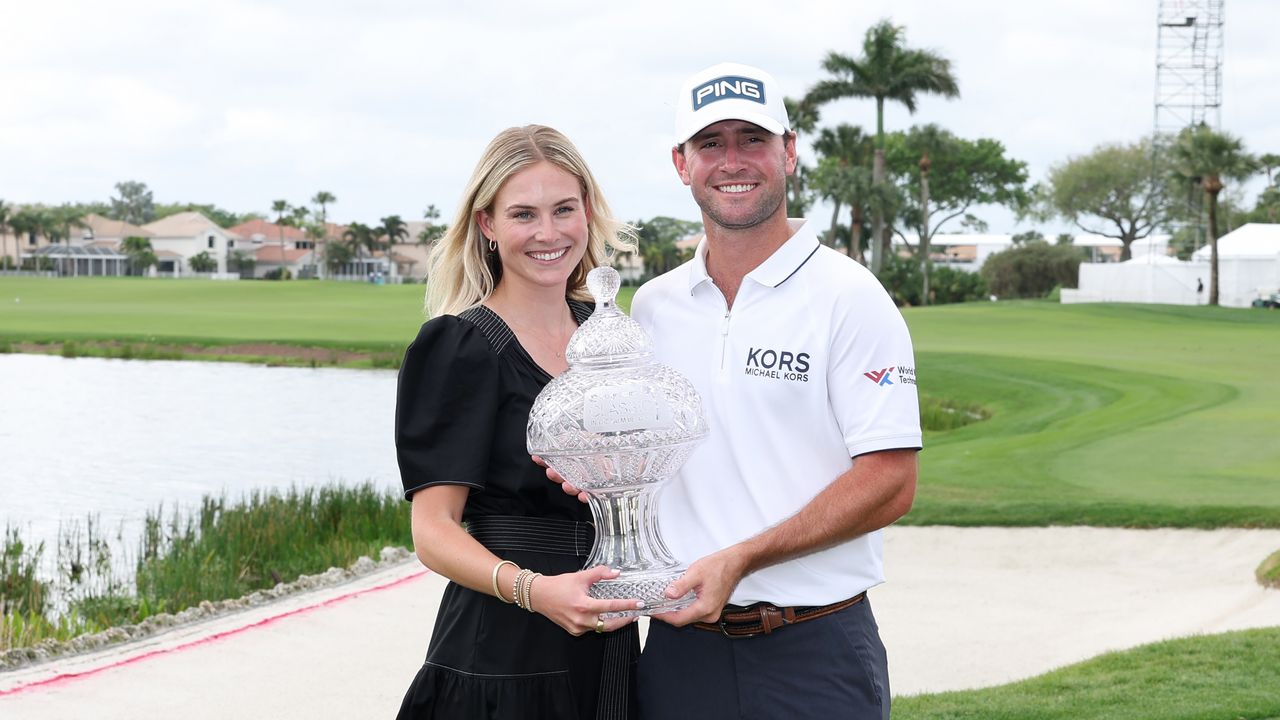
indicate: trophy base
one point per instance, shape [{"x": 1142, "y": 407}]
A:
[{"x": 651, "y": 589}]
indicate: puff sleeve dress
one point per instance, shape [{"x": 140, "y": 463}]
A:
[{"x": 465, "y": 390}]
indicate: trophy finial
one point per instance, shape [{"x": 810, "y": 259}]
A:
[{"x": 603, "y": 283}]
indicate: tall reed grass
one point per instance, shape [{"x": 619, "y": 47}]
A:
[
  {"x": 939, "y": 414},
  {"x": 224, "y": 549}
]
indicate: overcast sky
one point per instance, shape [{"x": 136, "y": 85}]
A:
[{"x": 388, "y": 104}]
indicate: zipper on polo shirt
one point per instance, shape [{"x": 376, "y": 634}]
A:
[{"x": 724, "y": 338}]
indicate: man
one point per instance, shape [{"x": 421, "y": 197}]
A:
[{"x": 805, "y": 368}]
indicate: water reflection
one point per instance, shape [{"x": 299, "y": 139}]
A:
[{"x": 119, "y": 437}]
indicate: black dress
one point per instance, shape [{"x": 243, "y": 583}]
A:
[{"x": 465, "y": 390}]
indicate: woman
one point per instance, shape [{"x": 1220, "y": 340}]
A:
[{"x": 517, "y": 635}]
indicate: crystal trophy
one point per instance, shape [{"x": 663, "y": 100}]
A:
[{"x": 617, "y": 424}]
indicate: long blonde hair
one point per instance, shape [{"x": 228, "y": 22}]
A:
[{"x": 462, "y": 272}]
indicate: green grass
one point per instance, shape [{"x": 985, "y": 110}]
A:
[
  {"x": 1269, "y": 571},
  {"x": 1121, "y": 415},
  {"x": 313, "y": 313},
  {"x": 322, "y": 314},
  {"x": 153, "y": 319},
  {"x": 1217, "y": 677}
]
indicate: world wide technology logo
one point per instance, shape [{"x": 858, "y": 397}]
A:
[{"x": 884, "y": 376}]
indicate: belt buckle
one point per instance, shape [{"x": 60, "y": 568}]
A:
[{"x": 725, "y": 631}]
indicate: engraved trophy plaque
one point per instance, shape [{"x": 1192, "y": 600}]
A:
[{"x": 618, "y": 425}]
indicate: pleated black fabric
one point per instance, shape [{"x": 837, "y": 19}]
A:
[{"x": 466, "y": 387}]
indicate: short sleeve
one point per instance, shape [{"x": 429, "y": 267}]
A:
[
  {"x": 446, "y": 406},
  {"x": 872, "y": 382}
]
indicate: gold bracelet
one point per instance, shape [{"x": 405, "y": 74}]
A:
[
  {"x": 528, "y": 591},
  {"x": 525, "y": 582},
  {"x": 515, "y": 587},
  {"x": 496, "y": 568}
]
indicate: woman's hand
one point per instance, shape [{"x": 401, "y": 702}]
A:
[
  {"x": 554, "y": 477},
  {"x": 563, "y": 599}
]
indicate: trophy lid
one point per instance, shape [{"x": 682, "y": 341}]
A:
[
  {"x": 615, "y": 399},
  {"x": 609, "y": 337}
]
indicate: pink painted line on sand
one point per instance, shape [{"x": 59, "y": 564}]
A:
[{"x": 64, "y": 678}]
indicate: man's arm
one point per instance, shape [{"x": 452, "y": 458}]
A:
[{"x": 875, "y": 492}]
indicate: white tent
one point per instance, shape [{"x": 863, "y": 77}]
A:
[
  {"x": 1248, "y": 268},
  {"x": 1254, "y": 240}
]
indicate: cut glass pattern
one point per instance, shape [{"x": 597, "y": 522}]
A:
[{"x": 618, "y": 424}]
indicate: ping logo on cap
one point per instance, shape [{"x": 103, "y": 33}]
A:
[{"x": 726, "y": 88}]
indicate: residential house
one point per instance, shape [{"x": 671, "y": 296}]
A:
[
  {"x": 94, "y": 248},
  {"x": 178, "y": 238},
  {"x": 275, "y": 247}
]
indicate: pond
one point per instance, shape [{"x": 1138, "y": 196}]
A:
[{"x": 116, "y": 438}]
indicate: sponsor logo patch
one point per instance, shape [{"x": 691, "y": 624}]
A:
[
  {"x": 728, "y": 87},
  {"x": 880, "y": 377},
  {"x": 777, "y": 364},
  {"x": 884, "y": 376}
]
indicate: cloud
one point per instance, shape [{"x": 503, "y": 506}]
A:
[{"x": 388, "y": 104}]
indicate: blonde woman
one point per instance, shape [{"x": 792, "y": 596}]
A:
[{"x": 517, "y": 635}]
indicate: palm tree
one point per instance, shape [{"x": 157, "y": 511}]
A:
[
  {"x": 887, "y": 70},
  {"x": 361, "y": 236},
  {"x": 298, "y": 219},
  {"x": 6, "y": 211},
  {"x": 1208, "y": 156},
  {"x": 140, "y": 253},
  {"x": 1269, "y": 162},
  {"x": 24, "y": 222},
  {"x": 283, "y": 210},
  {"x": 804, "y": 118},
  {"x": 395, "y": 231},
  {"x": 324, "y": 198},
  {"x": 929, "y": 138},
  {"x": 432, "y": 231},
  {"x": 846, "y": 178}
]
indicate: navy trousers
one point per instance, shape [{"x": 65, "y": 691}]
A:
[{"x": 831, "y": 667}]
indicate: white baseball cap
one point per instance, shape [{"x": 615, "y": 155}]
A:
[{"x": 730, "y": 91}]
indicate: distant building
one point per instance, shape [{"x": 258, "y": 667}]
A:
[
  {"x": 1108, "y": 249},
  {"x": 962, "y": 252},
  {"x": 178, "y": 238},
  {"x": 274, "y": 247}
]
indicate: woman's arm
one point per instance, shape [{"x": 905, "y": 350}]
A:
[{"x": 443, "y": 545}]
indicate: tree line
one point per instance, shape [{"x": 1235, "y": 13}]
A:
[
  {"x": 910, "y": 184},
  {"x": 906, "y": 184},
  {"x": 134, "y": 203}
]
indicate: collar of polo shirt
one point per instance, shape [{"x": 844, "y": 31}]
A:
[{"x": 775, "y": 270}]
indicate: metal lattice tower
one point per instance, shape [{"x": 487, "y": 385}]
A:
[{"x": 1188, "y": 65}]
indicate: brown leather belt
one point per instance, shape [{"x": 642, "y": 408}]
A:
[{"x": 763, "y": 618}]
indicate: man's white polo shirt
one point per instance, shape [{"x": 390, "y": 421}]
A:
[{"x": 812, "y": 366}]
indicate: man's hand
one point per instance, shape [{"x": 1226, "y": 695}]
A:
[
  {"x": 713, "y": 579},
  {"x": 554, "y": 477}
]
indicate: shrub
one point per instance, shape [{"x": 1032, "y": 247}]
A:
[
  {"x": 949, "y": 285},
  {"x": 1033, "y": 270},
  {"x": 903, "y": 280},
  {"x": 202, "y": 263}
]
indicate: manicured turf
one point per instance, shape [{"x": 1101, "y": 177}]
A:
[
  {"x": 1102, "y": 414},
  {"x": 322, "y": 314},
  {"x": 313, "y": 313},
  {"x": 1218, "y": 677},
  {"x": 1123, "y": 415}
]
